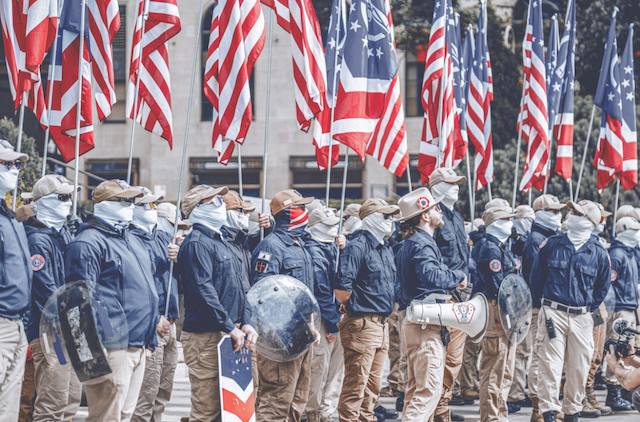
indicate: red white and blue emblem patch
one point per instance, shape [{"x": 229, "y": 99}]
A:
[
  {"x": 518, "y": 263},
  {"x": 495, "y": 266},
  {"x": 614, "y": 275},
  {"x": 37, "y": 262},
  {"x": 423, "y": 203}
]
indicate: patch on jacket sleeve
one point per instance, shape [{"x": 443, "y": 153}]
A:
[
  {"x": 495, "y": 266},
  {"x": 261, "y": 266},
  {"x": 264, "y": 256},
  {"x": 37, "y": 262},
  {"x": 614, "y": 275},
  {"x": 543, "y": 243}
]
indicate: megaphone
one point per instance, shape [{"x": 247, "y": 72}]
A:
[{"x": 472, "y": 316}]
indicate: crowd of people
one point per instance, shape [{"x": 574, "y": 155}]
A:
[{"x": 363, "y": 278}]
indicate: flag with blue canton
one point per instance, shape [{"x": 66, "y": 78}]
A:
[
  {"x": 335, "y": 42},
  {"x": 452, "y": 38},
  {"x": 466, "y": 58},
  {"x": 552, "y": 52},
  {"x": 629, "y": 174}
]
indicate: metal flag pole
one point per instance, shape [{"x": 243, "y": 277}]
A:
[
  {"x": 489, "y": 190},
  {"x": 25, "y": 98},
  {"x": 584, "y": 154},
  {"x": 266, "y": 121},
  {"x": 470, "y": 186},
  {"x": 615, "y": 210},
  {"x": 515, "y": 176},
  {"x": 194, "y": 68},
  {"x": 530, "y": 197},
  {"x": 550, "y": 155},
  {"x": 240, "y": 188},
  {"x": 570, "y": 188},
  {"x": 409, "y": 175},
  {"x": 342, "y": 197},
  {"x": 79, "y": 109},
  {"x": 145, "y": 16}
]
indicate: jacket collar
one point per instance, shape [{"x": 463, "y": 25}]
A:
[
  {"x": 206, "y": 231},
  {"x": 284, "y": 236},
  {"x": 591, "y": 244},
  {"x": 542, "y": 230},
  {"x": 4, "y": 209},
  {"x": 373, "y": 242},
  {"x": 616, "y": 244},
  {"x": 233, "y": 234},
  {"x": 493, "y": 239}
]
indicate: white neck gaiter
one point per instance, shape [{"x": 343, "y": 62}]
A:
[
  {"x": 579, "y": 230},
  {"x": 8, "y": 179},
  {"x": 447, "y": 191},
  {"x": 210, "y": 216},
  {"x": 237, "y": 220},
  {"x": 549, "y": 220},
  {"x": 629, "y": 238},
  {"x": 323, "y": 233},
  {"x": 165, "y": 225},
  {"x": 254, "y": 227},
  {"x": 52, "y": 212},
  {"x": 146, "y": 220},
  {"x": 501, "y": 229},
  {"x": 118, "y": 214},
  {"x": 378, "y": 226},
  {"x": 523, "y": 225},
  {"x": 351, "y": 225},
  {"x": 599, "y": 229}
]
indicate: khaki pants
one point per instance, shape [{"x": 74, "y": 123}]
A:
[
  {"x": 13, "y": 354},
  {"x": 496, "y": 369},
  {"x": 28, "y": 394},
  {"x": 523, "y": 353},
  {"x": 425, "y": 365},
  {"x": 397, "y": 359},
  {"x": 58, "y": 387},
  {"x": 572, "y": 349},
  {"x": 115, "y": 398},
  {"x": 157, "y": 384},
  {"x": 533, "y": 367},
  {"x": 452, "y": 366},
  {"x": 284, "y": 388},
  {"x": 403, "y": 349},
  {"x": 366, "y": 342},
  {"x": 327, "y": 372},
  {"x": 599, "y": 338},
  {"x": 630, "y": 316},
  {"x": 468, "y": 377},
  {"x": 201, "y": 356}
]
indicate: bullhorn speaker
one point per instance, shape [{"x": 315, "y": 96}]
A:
[{"x": 472, "y": 316}]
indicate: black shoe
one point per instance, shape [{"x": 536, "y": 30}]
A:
[
  {"x": 458, "y": 400},
  {"x": 388, "y": 414},
  {"x": 457, "y": 417},
  {"x": 615, "y": 400},
  {"x": 627, "y": 395},
  {"x": 379, "y": 417},
  {"x": 513, "y": 407},
  {"x": 526, "y": 402},
  {"x": 400, "y": 402},
  {"x": 549, "y": 416},
  {"x": 571, "y": 418}
]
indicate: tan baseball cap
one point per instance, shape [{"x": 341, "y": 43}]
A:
[
  {"x": 603, "y": 212},
  {"x": 323, "y": 216},
  {"x": 626, "y": 211},
  {"x": 627, "y": 223},
  {"x": 233, "y": 201},
  {"x": 110, "y": 189},
  {"x": 25, "y": 211},
  {"x": 445, "y": 175},
  {"x": 548, "y": 202},
  {"x": 168, "y": 211},
  {"x": 8, "y": 153},
  {"x": 287, "y": 198},
  {"x": 525, "y": 211},
  {"x": 492, "y": 215},
  {"x": 51, "y": 183},
  {"x": 316, "y": 204},
  {"x": 415, "y": 203},
  {"x": 498, "y": 203},
  {"x": 377, "y": 205},
  {"x": 197, "y": 194},
  {"x": 587, "y": 209},
  {"x": 148, "y": 197},
  {"x": 352, "y": 210}
]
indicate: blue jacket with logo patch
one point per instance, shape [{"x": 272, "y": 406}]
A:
[
  {"x": 531, "y": 247},
  {"x": 116, "y": 266},
  {"x": 494, "y": 263},
  {"x": 15, "y": 268},
  {"x": 47, "y": 246},
  {"x": 573, "y": 278},
  {"x": 367, "y": 269},
  {"x": 240, "y": 242},
  {"x": 324, "y": 263},
  {"x": 452, "y": 241},
  {"x": 624, "y": 276}
]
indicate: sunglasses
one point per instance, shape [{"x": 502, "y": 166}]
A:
[
  {"x": 9, "y": 164},
  {"x": 64, "y": 197},
  {"x": 149, "y": 206},
  {"x": 125, "y": 201}
]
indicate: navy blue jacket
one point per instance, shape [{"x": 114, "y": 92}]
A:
[
  {"x": 157, "y": 245},
  {"x": 211, "y": 276},
  {"x": 624, "y": 276},
  {"x": 240, "y": 242},
  {"x": 517, "y": 245},
  {"x": 47, "y": 246},
  {"x": 561, "y": 274},
  {"x": 422, "y": 270},
  {"x": 531, "y": 247},
  {"x": 279, "y": 253},
  {"x": 452, "y": 241},
  {"x": 15, "y": 268},
  {"x": 115, "y": 265},
  {"x": 494, "y": 263},
  {"x": 324, "y": 264},
  {"x": 368, "y": 271}
]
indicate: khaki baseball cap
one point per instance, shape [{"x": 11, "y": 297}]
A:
[
  {"x": 168, "y": 211},
  {"x": 498, "y": 203},
  {"x": 492, "y": 215},
  {"x": 8, "y": 153},
  {"x": 626, "y": 211},
  {"x": 288, "y": 198},
  {"x": 548, "y": 202},
  {"x": 148, "y": 197},
  {"x": 525, "y": 211},
  {"x": 627, "y": 223},
  {"x": 25, "y": 211},
  {"x": 110, "y": 189},
  {"x": 51, "y": 183},
  {"x": 445, "y": 175},
  {"x": 352, "y": 210},
  {"x": 415, "y": 203},
  {"x": 603, "y": 212},
  {"x": 233, "y": 201},
  {"x": 197, "y": 194},
  {"x": 323, "y": 216},
  {"x": 377, "y": 205},
  {"x": 587, "y": 209}
]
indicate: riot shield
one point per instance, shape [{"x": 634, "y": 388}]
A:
[
  {"x": 515, "y": 304},
  {"x": 287, "y": 317}
]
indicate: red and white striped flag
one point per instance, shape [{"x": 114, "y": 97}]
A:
[
  {"x": 629, "y": 174},
  {"x": 153, "y": 109},
  {"x": 236, "y": 40}
]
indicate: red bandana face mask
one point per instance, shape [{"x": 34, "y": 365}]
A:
[{"x": 293, "y": 220}]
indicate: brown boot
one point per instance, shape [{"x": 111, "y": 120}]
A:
[
  {"x": 535, "y": 411},
  {"x": 560, "y": 416},
  {"x": 593, "y": 401},
  {"x": 444, "y": 417},
  {"x": 314, "y": 417}
]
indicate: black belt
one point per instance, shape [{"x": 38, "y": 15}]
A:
[
  {"x": 575, "y": 310},
  {"x": 373, "y": 317}
]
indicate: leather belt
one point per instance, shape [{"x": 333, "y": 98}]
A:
[
  {"x": 575, "y": 310},
  {"x": 372, "y": 317}
]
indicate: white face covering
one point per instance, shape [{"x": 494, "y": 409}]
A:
[
  {"x": 579, "y": 230},
  {"x": 165, "y": 225},
  {"x": 323, "y": 233},
  {"x": 145, "y": 219},
  {"x": 447, "y": 191},
  {"x": 351, "y": 225},
  {"x": 523, "y": 225},
  {"x": 377, "y": 224},
  {"x": 629, "y": 238},
  {"x": 52, "y": 212},
  {"x": 237, "y": 220},
  {"x": 501, "y": 229},
  {"x": 8, "y": 179},
  {"x": 118, "y": 214},
  {"x": 549, "y": 220},
  {"x": 254, "y": 227},
  {"x": 210, "y": 215},
  {"x": 599, "y": 229}
]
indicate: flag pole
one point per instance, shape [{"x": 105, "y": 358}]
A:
[
  {"x": 409, "y": 175},
  {"x": 145, "y": 15},
  {"x": 615, "y": 210},
  {"x": 549, "y": 158},
  {"x": 184, "y": 148},
  {"x": 470, "y": 185},
  {"x": 333, "y": 98},
  {"x": 79, "y": 109},
  {"x": 342, "y": 198},
  {"x": 489, "y": 190},
  {"x": 584, "y": 154},
  {"x": 266, "y": 121},
  {"x": 515, "y": 176},
  {"x": 240, "y": 189},
  {"x": 25, "y": 98}
]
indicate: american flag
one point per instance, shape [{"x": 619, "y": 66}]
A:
[
  {"x": 609, "y": 152},
  {"x": 153, "y": 109},
  {"x": 236, "y": 40},
  {"x": 40, "y": 26},
  {"x": 479, "y": 105},
  {"x": 535, "y": 103},
  {"x": 237, "y": 398},
  {"x": 561, "y": 94},
  {"x": 629, "y": 174},
  {"x": 466, "y": 59},
  {"x": 523, "y": 126},
  {"x": 309, "y": 70},
  {"x": 552, "y": 53}
]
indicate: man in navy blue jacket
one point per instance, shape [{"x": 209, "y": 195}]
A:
[{"x": 106, "y": 254}]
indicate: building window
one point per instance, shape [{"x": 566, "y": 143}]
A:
[
  {"x": 207, "y": 171},
  {"x": 402, "y": 184},
  {"x": 120, "y": 66},
  {"x": 310, "y": 182},
  {"x": 413, "y": 84},
  {"x": 111, "y": 168}
]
